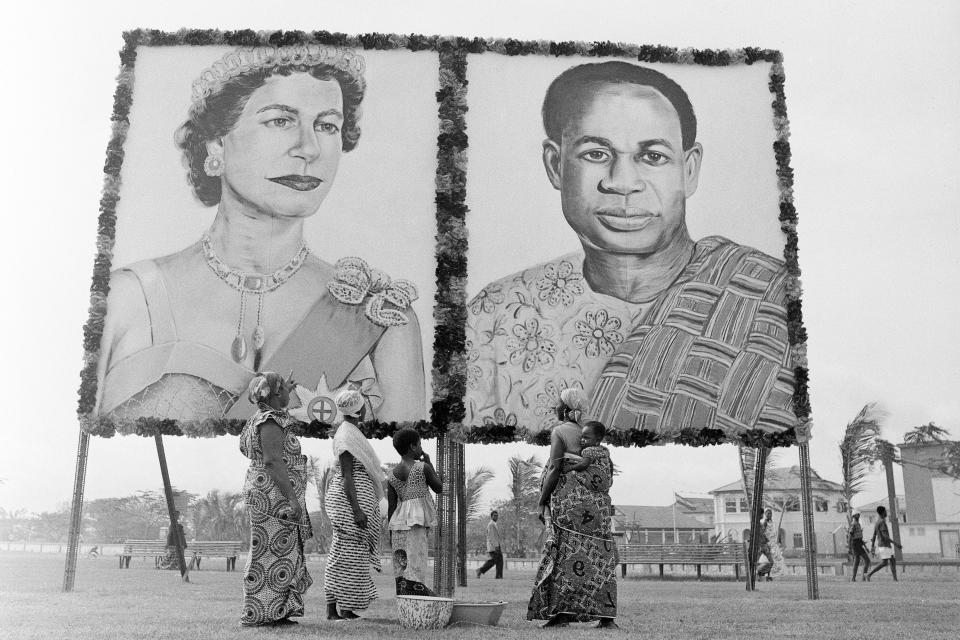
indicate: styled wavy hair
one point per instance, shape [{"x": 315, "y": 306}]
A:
[{"x": 217, "y": 114}]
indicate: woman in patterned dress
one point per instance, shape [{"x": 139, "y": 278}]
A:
[
  {"x": 353, "y": 506},
  {"x": 577, "y": 580},
  {"x": 276, "y": 576},
  {"x": 411, "y": 512}
]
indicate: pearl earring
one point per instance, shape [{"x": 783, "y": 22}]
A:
[{"x": 213, "y": 166}]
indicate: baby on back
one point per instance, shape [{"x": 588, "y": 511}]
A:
[{"x": 591, "y": 451}]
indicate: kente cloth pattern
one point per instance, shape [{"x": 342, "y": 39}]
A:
[
  {"x": 775, "y": 551},
  {"x": 712, "y": 353},
  {"x": 275, "y": 578},
  {"x": 353, "y": 550},
  {"x": 410, "y": 527},
  {"x": 577, "y": 575}
]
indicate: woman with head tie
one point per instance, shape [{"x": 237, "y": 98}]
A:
[
  {"x": 184, "y": 333},
  {"x": 276, "y": 577},
  {"x": 576, "y": 579}
]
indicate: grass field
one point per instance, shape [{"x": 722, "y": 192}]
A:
[{"x": 145, "y": 603}]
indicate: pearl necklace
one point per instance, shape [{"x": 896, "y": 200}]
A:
[{"x": 251, "y": 283}]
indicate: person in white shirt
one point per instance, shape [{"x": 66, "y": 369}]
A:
[{"x": 494, "y": 548}]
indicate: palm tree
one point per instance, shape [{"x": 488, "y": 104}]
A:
[
  {"x": 219, "y": 515},
  {"x": 925, "y": 434},
  {"x": 859, "y": 451},
  {"x": 524, "y": 490},
  {"x": 476, "y": 479}
]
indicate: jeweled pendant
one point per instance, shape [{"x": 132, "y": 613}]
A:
[
  {"x": 259, "y": 337},
  {"x": 238, "y": 349}
]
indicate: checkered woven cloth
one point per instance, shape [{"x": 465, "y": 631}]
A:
[{"x": 713, "y": 352}]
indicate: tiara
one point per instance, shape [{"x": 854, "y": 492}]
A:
[{"x": 241, "y": 61}]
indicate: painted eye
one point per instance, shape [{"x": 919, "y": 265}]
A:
[
  {"x": 279, "y": 123},
  {"x": 595, "y": 155},
  {"x": 654, "y": 158}
]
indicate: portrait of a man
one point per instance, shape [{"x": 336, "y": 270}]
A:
[{"x": 662, "y": 331}]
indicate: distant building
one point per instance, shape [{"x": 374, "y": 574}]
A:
[
  {"x": 869, "y": 517},
  {"x": 636, "y": 524},
  {"x": 782, "y": 494},
  {"x": 698, "y": 508},
  {"x": 932, "y": 526}
]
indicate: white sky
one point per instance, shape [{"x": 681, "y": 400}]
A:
[{"x": 872, "y": 89}]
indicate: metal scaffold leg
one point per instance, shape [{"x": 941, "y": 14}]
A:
[
  {"x": 445, "y": 562},
  {"x": 76, "y": 511},
  {"x": 809, "y": 536}
]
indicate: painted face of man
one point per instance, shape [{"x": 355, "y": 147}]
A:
[
  {"x": 281, "y": 157},
  {"x": 622, "y": 172}
]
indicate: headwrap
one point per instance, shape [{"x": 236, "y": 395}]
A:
[
  {"x": 349, "y": 402},
  {"x": 574, "y": 400},
  {"x": 263, "y": 385}
]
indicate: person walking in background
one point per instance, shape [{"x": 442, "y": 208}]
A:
[
  {"x": 857, "y": 548},
  {"x": 881, "y": 538},
  {"x": 494, "y": 547}
]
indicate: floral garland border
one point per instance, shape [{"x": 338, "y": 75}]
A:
[{"x": 449, "y": 366}]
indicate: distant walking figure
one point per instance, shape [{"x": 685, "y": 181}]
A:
[
  {"x": 881, "y": 538},
  {"x": 858, "y": 548},
  {"x": 494, "y": 548}
]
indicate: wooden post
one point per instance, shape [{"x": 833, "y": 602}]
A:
[
  {"x": 888, "y": 453},
  {"x": 171, "y": 509},
  {"x": 76, "y": 511},
  {"x": 806, "y": 495}
]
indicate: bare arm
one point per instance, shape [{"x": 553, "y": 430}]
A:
[
  {"x": 553, "y": 474},
  {"x": 392, "y": 500},
  {"x": 398, "y": 361},
  {"x": 580, "y": 466},
  {"x": 431, "y": 475},
  {"x": 350, "y": 489},
  {"x": 271, "y": 440}
]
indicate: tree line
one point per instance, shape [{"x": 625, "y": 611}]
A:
[{"x": 221, "y": 514}]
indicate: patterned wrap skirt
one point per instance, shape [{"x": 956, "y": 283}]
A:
[
  {"x": 410, "y": 561},
  {"x": 577, "y": 575},
  {"x": 276, "y": 577},
  {"x": 353, "y": 550}
]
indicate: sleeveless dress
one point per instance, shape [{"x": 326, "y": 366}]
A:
[
  {"x": 410, "y": 526},
  {"x": 276, "y": 575}
]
